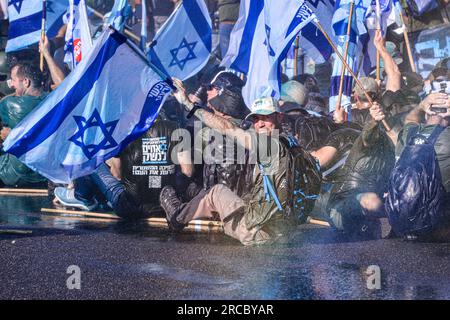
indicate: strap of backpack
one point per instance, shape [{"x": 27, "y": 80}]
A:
[
  {"x": 269, "y": 190},
  {"x": 435, "y": 134}
]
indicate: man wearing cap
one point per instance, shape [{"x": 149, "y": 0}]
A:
[
  {"x": 360, "y": 114},
  {"x": 257, "y": 217}
]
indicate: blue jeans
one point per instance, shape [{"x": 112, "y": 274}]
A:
[
  {"x": 114, "y": 191},
  {"x": 224, "y": 37}
]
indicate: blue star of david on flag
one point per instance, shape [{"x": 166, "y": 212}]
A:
[
  {"x": 189, "y": 46},
  {"x": 163, "y": 147},
  {"x": 267, "y": 42},
  {"x": 83, "y": 140},
  {"x": 17, "y": 4}
]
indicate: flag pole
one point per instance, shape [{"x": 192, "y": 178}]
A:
[
  {"x": 408, "y": 46},
  {"x": 359, "y": 84},
  {"x": 341, "y": 83},
  {"x": 297, "y": 42},
  {"x": 378, "y": 16},
  {"x": 44, "y": 18}
]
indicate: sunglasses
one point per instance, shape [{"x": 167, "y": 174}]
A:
[
  {"x": 211, "y": 87},
  {"x": 373, "y": 96}
]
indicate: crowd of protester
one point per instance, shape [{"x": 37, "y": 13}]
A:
[{"x": 368, "y": 179}]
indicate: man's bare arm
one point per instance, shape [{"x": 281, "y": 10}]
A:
[
  {"x": 221, "y": 125},
  {"x": 55, "y": 71},
  {"x": 393, "y": 73}
]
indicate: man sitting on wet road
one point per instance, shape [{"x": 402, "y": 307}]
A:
[{"x": 260, "y": 217}]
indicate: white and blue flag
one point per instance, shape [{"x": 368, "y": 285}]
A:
[
  {"x": 260, "y": 41},
  {"x": 93, "y": 115},
  {"x": 78, "y": 35},
  {"x": 312, "y": 41},
  {"x": 25, "y": 21},
  {"x": 357, "y": 43},
  {"x": 119, "y": 14},
  {"x": 182, "y": 46}
]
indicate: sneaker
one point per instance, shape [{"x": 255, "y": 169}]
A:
[
  {"x": 171, "y": 204},
  {"x": 67, "y": 198}
]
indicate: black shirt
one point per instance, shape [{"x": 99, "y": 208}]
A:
[
  {"x": 368, "y": 165},
  {"x": 146, "y": 164}
]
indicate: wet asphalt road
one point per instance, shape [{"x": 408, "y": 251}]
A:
[{"x": 122, "y": 261}]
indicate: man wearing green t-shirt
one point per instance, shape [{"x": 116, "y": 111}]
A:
[{"x": 26, "y": 80}]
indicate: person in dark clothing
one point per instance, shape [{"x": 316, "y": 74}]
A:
[
  {"x": 356, "y": 199},
  {"x": 134, "y": 180},
  {"x": 231, "y": 169},
  {"x": 260, "y": 218}
]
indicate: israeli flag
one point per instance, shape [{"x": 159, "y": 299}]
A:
[
  {"x": 182, "y": 46},
  {"x": 93, "y": 115},
  {"x": 25, "y": 21},
  {"x": 119, "y": 14},
  {"x": 312, "y": 41},
  {"x": 260, "y": 41},
  {"x": 78, "y": 35},
  {"x": 357, "y": 44}
]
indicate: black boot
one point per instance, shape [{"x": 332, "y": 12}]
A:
[{"x": 172, "y": 205}]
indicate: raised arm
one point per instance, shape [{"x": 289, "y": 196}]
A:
[
  {"x": 217, "y": 123},
  {"x": 55, "y": 71},
  {"x": 392, "y": 71}
]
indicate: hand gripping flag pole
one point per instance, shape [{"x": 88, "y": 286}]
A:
[{"x": 369, "y": 99}]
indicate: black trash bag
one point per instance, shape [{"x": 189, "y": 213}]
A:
[
  {"x": 312, "y": 131},
  {"x": 415, "y": 201}
]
